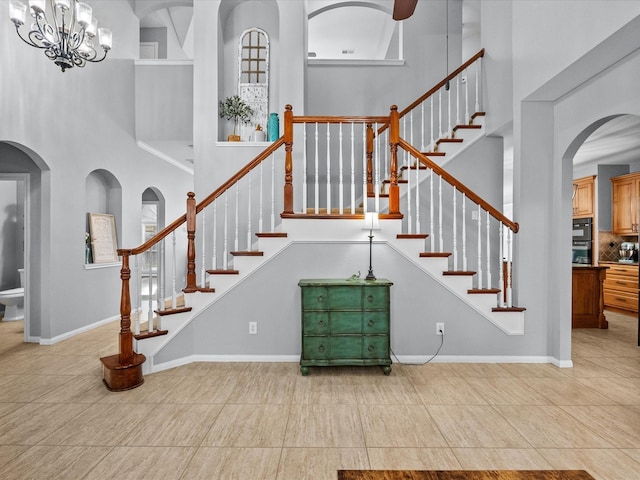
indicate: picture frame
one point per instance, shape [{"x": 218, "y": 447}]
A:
[{"x": 104, "y": 242}]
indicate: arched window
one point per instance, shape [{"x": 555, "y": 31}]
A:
[{"x": 253, "y": 76}]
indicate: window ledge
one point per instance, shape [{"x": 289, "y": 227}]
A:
[
  {"x": 95, "y": 266},
  {"x": 337, "y": 61}
]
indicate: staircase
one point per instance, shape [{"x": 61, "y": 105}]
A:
[{"x": 342, "y": 170}]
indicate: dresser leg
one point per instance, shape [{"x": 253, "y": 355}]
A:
[
  {"x": 304, "y": 371},
  {"x": 387, "y": 370}
]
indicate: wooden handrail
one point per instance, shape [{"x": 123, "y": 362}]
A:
[
  {"x": 495, "y": 213},
  {"x": 340, "y": 119},
  {"x": 437, "y": 87},
  {"x": 208, "y": 200}
]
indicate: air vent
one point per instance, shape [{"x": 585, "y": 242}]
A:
[
  {"x": 348, "y": 52},
  {"x": 312, "y": 54}
]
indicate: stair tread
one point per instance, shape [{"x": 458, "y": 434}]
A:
[
  {"x": 508, "y": 309},
  {"x": 483, "y": 290},
  {"x": 412, "y": 235},
  {"x": 459, "y": 272},
  {"x": 434, "y": 154},
  {"x": 435, "y": 254},
  {"x": 449, "y": 140},
  {"x": 271, "y": 235},
  {"x": 223, "y": 272},
  {"x": 468, "y": 126},
  {"x": 247, "y": 253}
]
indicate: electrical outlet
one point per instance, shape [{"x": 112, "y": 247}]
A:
[
  {"x": 439, "y": 328},
  {"x": 253, "y": 328}
]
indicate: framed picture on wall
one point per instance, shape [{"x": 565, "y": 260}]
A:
[{"x": 104, "y": 243}]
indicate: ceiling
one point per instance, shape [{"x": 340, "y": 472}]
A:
[{"x": 615, "y": 142}]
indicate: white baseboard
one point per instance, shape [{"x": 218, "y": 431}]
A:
[
  {"x": 78, "y": 331},
  {"x": 402, "y": 359}
]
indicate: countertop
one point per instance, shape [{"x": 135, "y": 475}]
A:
[{"x": 619, "y": 263}]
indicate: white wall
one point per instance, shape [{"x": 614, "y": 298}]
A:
[{"x": 76, "y": 122}]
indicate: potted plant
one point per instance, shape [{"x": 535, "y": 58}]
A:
[{"x": 234, "y": 108}]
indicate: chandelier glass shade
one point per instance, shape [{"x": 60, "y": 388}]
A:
[{"x": 64, "y": 29}]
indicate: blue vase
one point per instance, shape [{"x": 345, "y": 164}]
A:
[{"x": 273, "y": 127}]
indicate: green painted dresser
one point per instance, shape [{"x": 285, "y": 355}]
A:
[{"x": 345, "y": 322}]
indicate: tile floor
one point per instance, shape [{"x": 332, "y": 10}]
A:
[{"x": 265, "y": 421}]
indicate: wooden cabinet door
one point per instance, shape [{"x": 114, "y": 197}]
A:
[
  {"x": 583, "y": 198},
  {"x": 624, "y": 198}
]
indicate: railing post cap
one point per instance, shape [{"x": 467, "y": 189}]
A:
[
  {"x": 288, "y": 107},
  {"x": 394, "y": 108},
  {"x": 191, "y": 195}
]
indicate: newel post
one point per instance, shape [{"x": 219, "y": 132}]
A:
[
  {"x": 394, "y": 139},
  {"x": 191, "y": 244},
  {"x": 288, "y": 162},
  {"x": 370, "y": 136},
  {"x": 124, "y": 370}
]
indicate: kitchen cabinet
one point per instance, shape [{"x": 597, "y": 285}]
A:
[
  {"x": 621, "y": 286},
  {"x": 625, "y": 193},
  {"x": 345, "y": 322},
  {"x": 583, "y": 197},
  {"x": 587, "y": 304}
]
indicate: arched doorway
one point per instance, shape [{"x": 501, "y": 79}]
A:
[
  {"x": 606, "y": 149},
  {"x": 28, "y": 175}
]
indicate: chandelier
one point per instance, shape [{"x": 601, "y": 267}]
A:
[{"x": 65, "y": 31}]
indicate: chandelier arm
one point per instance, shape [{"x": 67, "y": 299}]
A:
[{"x": 29, "y": 42}]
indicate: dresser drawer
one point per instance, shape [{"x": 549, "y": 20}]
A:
[
  {"x": 316, "y": 348},
  {"x": 315, "y": 323},
  {"x": 375, "y": 346},
  {"x": 375, "y": 297},
  {"x": 342, "y": 297},
  {"x": 375, "y": 322},
  {"x": 315, "y": 298},
  {"x": 621, "y": 283}
]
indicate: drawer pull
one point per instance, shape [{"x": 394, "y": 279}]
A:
[
  {"x": 320, "y": 299},
  {"x": 371, "y": 323},
  {"x": 321, "y": 349},
  {"x": 620, "y": 283},
  {"x": 370, "y": 298},
  {"x": 621, "y": 299},
  {"x": 371, "y": 348},
  {"x": 321, "y": 323}
]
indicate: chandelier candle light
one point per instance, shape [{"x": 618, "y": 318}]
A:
[
  {"x": 371, "y": 223},
  {"x": 65, "y": 31}
]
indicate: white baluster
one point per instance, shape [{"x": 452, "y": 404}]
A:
[
  {"x": 249, "y": 228},
  {"x": 204, "y": 267},
  {"x": 458, "y": 100},
  {"x": 501, "y": 293},
  {"x": 365, "y": 197},
  {"x": 449, "y": 127},
  {"x": 174, "y": 301},
  {"x": 418, "y": 230},
  {"x": 317, "y": 176},
  {"x": 353, "y": 170},
  {"x": 138, "y": 297},
  {"x": 236, "y": 235},
  {"x": 440, "y": 114},
  {"x": 150, "y": 293},
  {"x": 273, "y": 193},
  {"x": 464, "y": 232},
  {"x": 422, "y": 128},
  {"x": 225, "y": 250},
  {"x": 408, "y": 170},
  {"x": 304, "y": 168},
  {"x": 488, "y": 250},
  {"x": 386, "y": 153},
  {"x": 160, "y": 306},
  {"x": 328, "y": 169},
  {"x": 455, "y": 238},
  {"x": 467, "y": 118},
  {"x": 440, "y": 235},
  {"x": 432, "y": 145},
  {"x": 260, "y": 202},
  {"x": 214, "y": 239},
  {"x": 479, "y": 247},
  {"x": 477, "y": 105},
  {"x": 509, "y": 270},
  {"x": 340, "y": 172},
  {"x": 376, "y": 185},
  {"x": 431, "y": 211}
]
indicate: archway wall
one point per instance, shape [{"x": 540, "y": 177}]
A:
[
  {"x": 77, "y": 122},
  {"x": 597, "y": 85}
]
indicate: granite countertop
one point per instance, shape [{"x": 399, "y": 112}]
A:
[{"x": 619, "y": 263}]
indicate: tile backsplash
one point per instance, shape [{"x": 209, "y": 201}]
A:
[{"x": 609, "y": 244}]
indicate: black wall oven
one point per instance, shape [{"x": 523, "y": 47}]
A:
[{"x": 582, "y": 241}]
